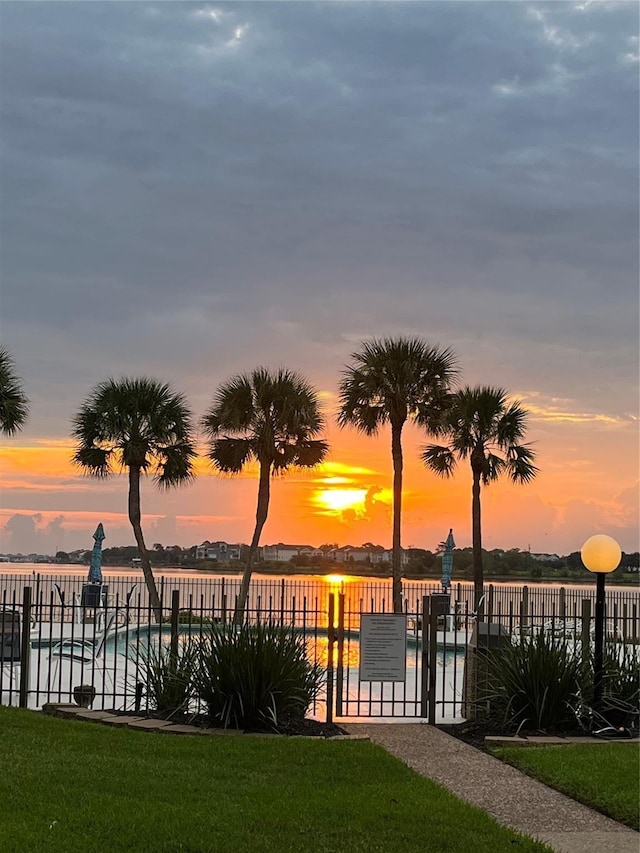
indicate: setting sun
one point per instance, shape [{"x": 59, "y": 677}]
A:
[{"x": 339, "y": 499}]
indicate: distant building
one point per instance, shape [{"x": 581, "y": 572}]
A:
[
  {"x": 374, "y": 555},
  {"x": 282, "y": 553},
  {"x": 545, "y": 558},
  {"x": 221, "y": 552}
]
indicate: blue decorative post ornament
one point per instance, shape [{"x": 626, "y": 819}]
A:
[
  {"x": 447, "y": 560},
  {"x": 95, "y": 569},
  {"x": 600, "y": 554}
]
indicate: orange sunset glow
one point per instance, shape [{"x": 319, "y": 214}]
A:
[{"x": 347, "y": 500}]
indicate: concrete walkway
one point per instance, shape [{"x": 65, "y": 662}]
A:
[{"x": 515, "y": 800}]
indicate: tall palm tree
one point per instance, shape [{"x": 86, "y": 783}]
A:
[
  {"x": 14, "y": 405},
  {"x": 484, "y": 427},
  {"x": 141, "y": 426},
  {"x": 394, "y": 380},
  {"x": 272, "y": 419}
]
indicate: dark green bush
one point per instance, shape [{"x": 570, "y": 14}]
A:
[
  {"x": 621, "y": 681},
  {"x": 251, "y": 676},
  {"x": 534, "y": 684},
  {"x": 168, "y": 679},
  {"x": 620, "y": 686}
]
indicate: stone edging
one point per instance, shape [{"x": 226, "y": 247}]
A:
[
  {"x": 138, "y": 723},
  {"x": 541, "y": 740}
]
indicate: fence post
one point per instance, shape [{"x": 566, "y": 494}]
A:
[
  {"x": 340, "y": 664},
  {"x": 25, "y": 647},
  {"x": 424, "y": 681},
  {"x": 330, "y": 642},
  {"x": 585, "y": 634},
  {"x": 490, "y": 604},
  {"x": 433, "y": 648},
  {"x": 38, "y": 603},
  {"x": 175, "y": 618},
  {"x": 563, "y": 603},
  {"x": 282, "y": 591},
  {"x": 524, "y": 610}
]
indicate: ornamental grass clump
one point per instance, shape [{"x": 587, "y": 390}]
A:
[
  {"x": 167, "y": 677},
  {"x": 620, "y": 702},
  {"x": 252, "y": 676},
  {"x": 534, "y": 684},
  {"x": 621, "y": 666}
]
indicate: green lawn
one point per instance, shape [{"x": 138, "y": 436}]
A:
[
  {"x": 72, "y": 786},
  {"x": 603, "y": 776}
]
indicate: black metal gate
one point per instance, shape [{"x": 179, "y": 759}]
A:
[{"x": 435, "y": 648}]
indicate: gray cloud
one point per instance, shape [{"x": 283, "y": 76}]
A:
[{"x": 183, "y": 181}]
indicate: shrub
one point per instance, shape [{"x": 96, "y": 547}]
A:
[
  {"x": 168, "y": 679},
  {"x": 620, "y": 687},
  {"x": 251, "y": 676},
  {"x": 534, "y": 684}
]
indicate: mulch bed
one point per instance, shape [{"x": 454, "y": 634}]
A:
[
  {"x": 474, "y": 732},
  {"x": 291, "y": 726},
  {"x": 309, "y": 728}
]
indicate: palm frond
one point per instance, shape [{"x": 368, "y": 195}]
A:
[
  {"x": 14, "y": 404},
  {"x": 175, "y": 465},
  {"x": 494, "y": 465},
  {"x": 230, "y": 455},
  {"x": 305, "y": 454},
  {"x": 95, "y": 461},
  {"x": 439, "y": 459},
  {"x": 520, "y": 463},
  {"x": 233, "y": 410},
  {"x": 511, "y": 427}
]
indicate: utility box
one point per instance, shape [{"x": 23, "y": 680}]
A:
[
  {"x": 441, "y": 603},
  {"x": 9, "y": 635},
  {"x": 487, "y": 638},
  {"x": 489, "y": 635},
  {"x": 94, "y": 595}
]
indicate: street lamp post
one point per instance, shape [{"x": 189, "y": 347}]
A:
[{"x": 600, "y": 554}]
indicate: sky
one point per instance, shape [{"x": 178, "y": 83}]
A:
[{"x": 190, "y": 190}]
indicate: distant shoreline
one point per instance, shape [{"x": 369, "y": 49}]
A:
[{"x": 627, "y": 580}]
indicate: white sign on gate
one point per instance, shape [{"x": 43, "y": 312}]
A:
[{"x": 383, "y": 647}]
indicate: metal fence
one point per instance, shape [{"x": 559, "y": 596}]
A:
[
  {"x": 50, "y": 645},
  {"x": 368, "y": 594},
  {"x": 54, "y": 639}
]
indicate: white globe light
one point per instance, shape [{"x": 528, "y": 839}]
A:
[{"x": 601, "y": 554}]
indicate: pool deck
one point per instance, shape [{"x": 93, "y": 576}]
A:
[{"x": 512, "y": 798}]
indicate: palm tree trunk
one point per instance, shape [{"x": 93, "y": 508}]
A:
[
  {"x": 396, "y": 554},
  {"x": 478, "y": 570},
  {"x": 261, "y": 516},
  {"x": 135, "y": 519}
]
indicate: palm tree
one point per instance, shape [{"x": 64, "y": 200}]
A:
[
  {"x": 14, "y": 405},
  {"x": 272, "y": 419},
  {"x": 485, "y": 428},
  {"x": 141, "y": 426},
  {"x": 391, "y": 381}
]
